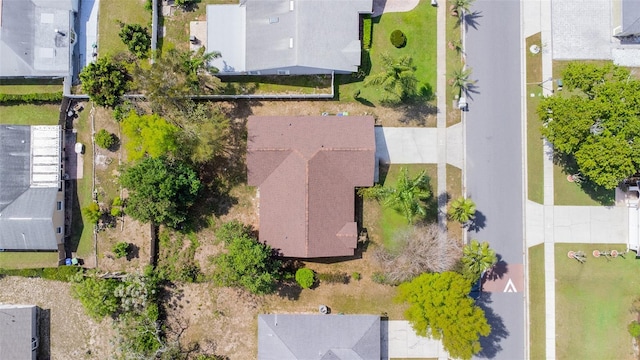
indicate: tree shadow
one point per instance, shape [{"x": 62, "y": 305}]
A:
[
  {"x": 133, "y": 252},
  {"x": 44, "y": 333},
  {"x": 594, "y": 191},
  {"x": 471, "y": 20},
  {"x": 289, "y": 290},
  {"x": 497, "y": 271},
  {"x": 414, "y": 111},
  {"x": 472, "y": 89},
  {"x": 364, "y": 102},
  {"x": 491, "y": 344},
  {"x": 478, "y": 222}
]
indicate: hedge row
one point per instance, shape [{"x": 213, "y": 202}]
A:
[
  {"x": 367, "y": 29},
  {"x": 31, "y": 98},
  {"x": 61, "y": 273}
]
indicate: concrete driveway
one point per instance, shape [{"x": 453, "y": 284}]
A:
[
  {"x": 396, "y": 145},
  {"x": 400, "y": 341}
]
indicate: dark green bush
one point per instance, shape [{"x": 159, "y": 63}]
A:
[
  {"x": 398, "y": 39},
  {"x": 31, "y": 98},
  {"x": 121, "y": 249},
  {"x": 367, "y": 29},
  {"x": 305, "y": 278},
  {"x": 334, "y": 277},
  {"x": 105, "y": 139}
]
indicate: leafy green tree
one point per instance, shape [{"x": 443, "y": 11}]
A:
[
  {"x": 596, "y": 124},
  {"x": 407, "y": 197},
  {"x": 137, "y": 39},
  {"x": 105, "y": 81},
  {"x": 92, "y": 212},
  {"x": 440, "y": 308},
  {"x": 477, "y": 258},
  {"x": 149, "y": 135},
  {"x": 305, "y": 278},
  {"x": 459, "y": 80},
  {"x": 398, "y": 77},
  {"x": 121, "y": 249},
  {"x": 247, "y": 264},
  {"x": 462, "y": 210},
  {"x": 160, "y": 190},
  {"x": 96, "y": 295},
  {"x": 105, "y": 139}
]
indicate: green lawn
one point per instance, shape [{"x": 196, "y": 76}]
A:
[
  {"x": 454, "y": 61},
  {"x": 454, "y": 190},
  {"x": 30, "y": 114},
  {"x": 536, "y": 303},
  {"x": 592, "y": 303},
  {"x": 112, "y": 11},
  {"x": 28, "y": 260},
  {"x": 419, "y": 26},
  {"x": 29, "y": 89},
  {"x": 390, "y": 221},
  {"x": 535, "y": 171},
  {"x": 571, "y": 193}
]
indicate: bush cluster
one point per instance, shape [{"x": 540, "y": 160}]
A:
[
  {"x": 62, "y": 273},
  {"x": 105, "y": 139},
  {"x": 334, "y": 277},
  {"x": 121, "y": 249},
  {"x": 305, "y": 278},
  {"x": 367, "y": 29},
  {"x": 31, "y": 98},
  {"x": 398, "y": 39}
]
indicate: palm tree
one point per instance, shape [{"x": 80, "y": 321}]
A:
[
  {"x": 459, "y": 80},
  {"x": 398, "y": 76},
  {"x": 459, "y": 7},
  {"x": 456, "y": 45},
  {"x": 199, "y": 73},
  {"x": 407, "y": 197},
  {"x": 462, "y": 210},
  {"x": 477, "y": 258}
]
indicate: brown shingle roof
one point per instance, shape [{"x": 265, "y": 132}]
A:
[{"x": 307, "y": 169}]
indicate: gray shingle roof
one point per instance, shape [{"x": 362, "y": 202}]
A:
[
  {"x": 17, "y": 328},
  {"x": 29, "y": 186},
  {"x": 29, "y": 43},
  {"x": 269, "y": 34},
  {"x": 321, "y": 337}
]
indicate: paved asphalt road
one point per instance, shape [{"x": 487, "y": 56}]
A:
[{"x": 494, "y": 165}]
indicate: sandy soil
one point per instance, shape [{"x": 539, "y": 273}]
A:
[{"x": 68, "y": 333}]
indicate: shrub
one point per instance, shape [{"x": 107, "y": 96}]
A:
[
  {"x": 92, "y": 212},
  {"x": 305, "y": 278},
  {"x": 398, "y": 39},
  {"x": 379, "y": 278},
  {"x": 367, "y": 27},
  {"x": 61, "y": 273},
  {"x": 356, "y": 276},
  {"x": 231, "y": 230},
  {"x": 634, "y": 329},
  {"x": 334, "y": 277},
  {"x": 121, "y": 249},
  {"x": 54, "y": 97},
  {"x": 136, "y": 38},
  {"x": 148, "y": 5},
  {"x": 105, "y": 139}
]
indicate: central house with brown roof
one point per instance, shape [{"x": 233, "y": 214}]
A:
[{"x": 307, "y": 169}]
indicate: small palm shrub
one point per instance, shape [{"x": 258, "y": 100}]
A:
[{"x": 398, "y": 39}]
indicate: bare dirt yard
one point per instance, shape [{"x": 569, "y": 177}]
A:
[{"x": 66, "y": 331}]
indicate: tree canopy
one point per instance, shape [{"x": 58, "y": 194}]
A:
[
  {"x": 105, "y": 81},
  {"x": 477, "y": 258},
  {"x": 247, "y": 263},
  {"x": 160, "y": 190},
  {"x": 137, "y": 39},
  {"x": 439, "y": 307},
  {"x": 148, "y": 135},
  {"x": 398, "y": 77},
  {"x": 596, "y": 121},
  {"x": 462, "y": 210}
]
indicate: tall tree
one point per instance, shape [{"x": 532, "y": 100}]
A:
[
  {"x": 440, "y": 308},
  {"x": 459, "y": 80},
  {"x": 160, "y": 190},
  {"x": 398, "y": 77},
  {"x": 598, "y": 123},
  {"x": 462, "y": 210},
  {"x": 149, "y": 135},
  {"x": 137, "y": 39},
  {"x": 477, "y": 258},
  {"x": 407, "y": 197},
  {"x": 105, "y": 81}
]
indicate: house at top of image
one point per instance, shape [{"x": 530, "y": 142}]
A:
[
  {"x": 37, "y": 38},
  {"x": 323, "y": 337},
  {"x": 306, "y": 170},
  {"x": 286, "y": 37},
  {"x": 18, "y": 332},
  {"x": 32, "y": 213}
]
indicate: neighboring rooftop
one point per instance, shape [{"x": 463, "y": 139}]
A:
[
  {"x": 307, "y": 169},
  {"x": 18, "y": 332},
  {"x": 36, "y": 38},
  {"x": 30, "y": 180},
  {"x": 322, "y": 337},
  {"x": 308, "y": 36}
]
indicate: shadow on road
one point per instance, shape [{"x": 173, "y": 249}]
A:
[
  {"x": 491, "y": 344},
  {"x": 471, "y": 20},
  {"x": 478, "y": 223},
  {"x": 497, "y": 271}
]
